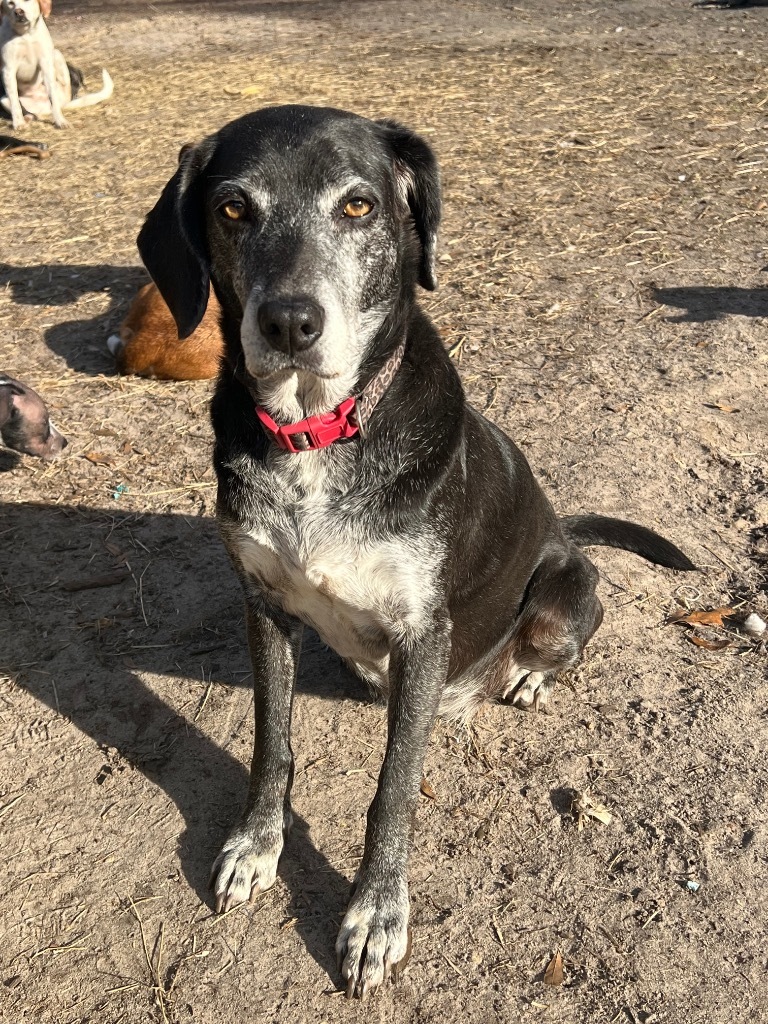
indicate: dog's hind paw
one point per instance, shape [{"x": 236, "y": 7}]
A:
[
  {"x": 245, "y": 867},
  {"x": 533, "y": 692},
  {"x": 374, "y": 941}
]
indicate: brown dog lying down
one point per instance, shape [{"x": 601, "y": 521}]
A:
[
  {"x": 148, "y": 343},
  {"x": 25, "y": 424}
]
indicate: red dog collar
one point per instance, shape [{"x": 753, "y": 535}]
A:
[
  {"x": 315, "y": 431},
  {"x": 346, "y": 420}
]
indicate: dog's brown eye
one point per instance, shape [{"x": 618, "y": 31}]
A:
[
  {"x": 233, "y": 210},
  {"x": 358, "y": 208}
]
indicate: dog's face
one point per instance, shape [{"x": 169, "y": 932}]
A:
[
  {"x": 25, "y": 424},
  {"x": 22, "y": 14},
  {"x": 311, "y": 222}
]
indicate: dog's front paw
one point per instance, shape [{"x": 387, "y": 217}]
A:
[
  {"x": 374, "y": 940},
  {"x": 533, "y": 692},
  {"x": 246, "y": 866},
  {"x": 62, "y": 123}
]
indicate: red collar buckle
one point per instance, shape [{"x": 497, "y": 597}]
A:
[{"x": 316, "y": 431}]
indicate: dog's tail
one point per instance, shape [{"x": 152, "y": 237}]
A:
[
  {"x": 90, "y": 99},
  {"x": 619, "y": 533}
]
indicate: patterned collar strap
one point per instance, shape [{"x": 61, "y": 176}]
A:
[{"x": 346, "y": 420}]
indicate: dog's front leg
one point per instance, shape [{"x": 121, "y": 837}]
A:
[
  {"x": 11, "y": 86},
  {"x": 247, "y": 864},
  {"x": 374, "y": 933}
]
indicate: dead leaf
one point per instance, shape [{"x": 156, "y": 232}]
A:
[
  {"x": 119, "y": 555},
  {"x": 98, "y": 458},
  {"x": 709, "y": 645},
  {"x": 711, "y": 617},
  {"x": 249, "y": 90},
  {"x": 554, "y": 972},
  {"x": 585, "y": 806},
  {"x": 722, "y": 407},
  {"x": 427, "y": 789}
]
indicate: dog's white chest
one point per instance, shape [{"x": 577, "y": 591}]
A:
[
  {"x": 356, "y": 594},
  {"x": 26, "y": 60}
]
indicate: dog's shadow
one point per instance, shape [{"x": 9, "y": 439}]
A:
[
  {"x": 700, "y": 304},
  {"x": 80, "y": 343},
  {"x": 79, "y": 651}
]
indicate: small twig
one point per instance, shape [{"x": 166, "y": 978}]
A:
[
  {"x": 172, "y": 490},
  {"x": 655, "y": 914},
  {"x": 452, "y": 965},
  {"x": 719, "y": 558},
  {"x": 10, "y": 804},
  {"x": 204, "y": 701}
]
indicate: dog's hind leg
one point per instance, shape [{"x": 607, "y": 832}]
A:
[
  {"x": 560, "y": 613},
  {"x": 51, "y": 81},
  {"x": 247, "y": 864}
]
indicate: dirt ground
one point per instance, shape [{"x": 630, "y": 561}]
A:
[{"x": 603, "y": 290}]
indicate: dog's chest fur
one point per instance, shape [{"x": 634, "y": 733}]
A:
[
  {"x": 25, "y": 54},
  {"x": 335, "y": 570}
]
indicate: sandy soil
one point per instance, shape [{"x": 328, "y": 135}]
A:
[{"x": 603, "y": 290}]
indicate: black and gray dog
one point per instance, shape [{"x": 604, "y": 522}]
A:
[{"x": 358, "y": 492}]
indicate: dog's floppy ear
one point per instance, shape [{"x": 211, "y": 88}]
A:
[
  {"x": 173, "y": 243},
  {"x": 418, "y": 178},
  {"x": 8, "y": 389},
  {"x": 13, "y": 386},
  {"x": 45, "y": 8},
  {"x": 6, "y": 404}
]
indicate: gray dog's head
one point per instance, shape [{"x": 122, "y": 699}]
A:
[
  {"x": 314, "y": 225},
  {"x": 25, "y": 424}
]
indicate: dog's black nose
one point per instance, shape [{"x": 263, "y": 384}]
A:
[{"x": 291, "y": 325}]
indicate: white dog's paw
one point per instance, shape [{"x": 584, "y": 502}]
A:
[
  {"x": 374, "y": 940},
  {"x": 246, "y": 866}
]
